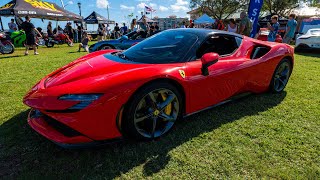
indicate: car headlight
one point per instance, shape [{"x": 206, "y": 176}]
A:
[{"x": 84, "y": 100}]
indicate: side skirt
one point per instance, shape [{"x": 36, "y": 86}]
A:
[{"x": 233, "y": 98}]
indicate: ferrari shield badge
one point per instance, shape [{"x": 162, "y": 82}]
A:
[{"x": 182, "y": 74}]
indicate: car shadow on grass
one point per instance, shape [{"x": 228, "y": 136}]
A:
[
  {"x": 8, "y": 56},
  {"x": 310, "y": 53},
  {"x": 26, "y": 154}
]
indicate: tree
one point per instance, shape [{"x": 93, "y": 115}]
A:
[
  {"x": 315, "y": 3},
  {"x": 280, "y": 7},
  {"x": 219, "y": 8}
]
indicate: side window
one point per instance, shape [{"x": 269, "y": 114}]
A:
[{"x": 221, "y": 44}]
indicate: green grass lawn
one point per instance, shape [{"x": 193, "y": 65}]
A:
[{"x": 260, "y": 136}]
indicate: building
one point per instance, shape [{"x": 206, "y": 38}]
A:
[{"x": 170, "y": 22}]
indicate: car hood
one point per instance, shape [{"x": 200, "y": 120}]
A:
[{"x": 94, "y": 64}]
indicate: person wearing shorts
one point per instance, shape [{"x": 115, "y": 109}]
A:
[
  {"x": 84, "y": 42},
  {"x": 291, "y": 29},
  {"x": 30, "y": 31}
]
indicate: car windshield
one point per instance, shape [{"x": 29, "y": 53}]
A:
[
  {"x": 163, "y": 48},
  {"x": 315, "y": 32}
]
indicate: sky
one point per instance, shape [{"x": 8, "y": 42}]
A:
[{"x": 118, "y": 9}]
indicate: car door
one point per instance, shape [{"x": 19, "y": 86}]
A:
[{"x": 225, "y": 79}]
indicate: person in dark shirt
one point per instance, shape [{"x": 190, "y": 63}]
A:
[
  {"x": 116, "y": 31},
  {"x": 49, "y": 29},
  {"x": 30, "y": 30},
  {"x": 69, "y": 31}
]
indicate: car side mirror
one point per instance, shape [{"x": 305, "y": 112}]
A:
[{"x": 207, "y": 60}]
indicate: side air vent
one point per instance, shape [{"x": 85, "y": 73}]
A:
[{"x": 259, "y": 51}]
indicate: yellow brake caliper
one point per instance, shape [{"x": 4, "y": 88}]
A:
[{"x": 168, "y": 109}]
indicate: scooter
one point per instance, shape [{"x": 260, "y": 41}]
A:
[
  {"x": 58, "y": 39},
  {"x": 6, "y": 47}
]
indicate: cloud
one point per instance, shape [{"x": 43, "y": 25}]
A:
[
  {"x": 153, "y": 5},
  {"x": 124, "y": 7},
  {"x": 180, "y": 5},
  {"x": 143, "y": 0},
  {"x": 103, "y": 4},
  {"x": 141, "y": 5},
  {"x": 163, "y": 8},
  {"x": 70, "y": 2},
  {"x": 177, "y": 8}
]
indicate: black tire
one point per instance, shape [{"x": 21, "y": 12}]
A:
[
  {"x": 8, "y": 44},
  {"x": 128, "y": 126},
  {"x": 275, "y": 86},
  {"x": 49, "y": 44},
  {"x": 104, "y": 47}
]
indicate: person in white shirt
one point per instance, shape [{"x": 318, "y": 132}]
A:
[
  {"x": 232, "y": 26},
  {"x": 183, "y": 25},
  {"x": 12, "y": 26}
]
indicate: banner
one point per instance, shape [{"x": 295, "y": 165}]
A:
[{"x": 253, "y": 12}]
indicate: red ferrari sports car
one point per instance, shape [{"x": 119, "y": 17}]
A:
[{"x": 140, "y": 93}]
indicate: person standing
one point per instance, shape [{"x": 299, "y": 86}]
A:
[
  {"x": 133, "y": 25},
  {"x": 70, "y": 31},
  {"x": 232, "y": 26},
  {"x": 191, "y": 24},
  {"x": 291, "y": 29},
  {"x": 30, "y": 30},
  {"x": 144, "y": 28},
  {"x": 183, "y": 25},
  {"x": 80, "y": 30},
  {"x": 274, "y": 28},
  {"x": 116, "y": 31},
  {"x": 12, "y": 26},
  {"x": 49, "y": 29},
  {"x": 124, "y": 29},
  {"x": 245, "y": 24}
]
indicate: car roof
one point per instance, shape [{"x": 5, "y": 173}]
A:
[{"x": 203, "y": 33}]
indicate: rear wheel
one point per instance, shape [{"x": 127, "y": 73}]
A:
[
  {"x": 152, "y": 112},
  {"x": 281, "y": 76}
]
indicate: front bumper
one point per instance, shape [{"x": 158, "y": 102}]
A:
[{"x": 58, "y": 133}]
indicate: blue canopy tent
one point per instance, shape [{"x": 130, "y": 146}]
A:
[{"x": 204, "y": 19}]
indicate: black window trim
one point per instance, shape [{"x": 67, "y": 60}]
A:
[{"x": 217, "y": 34}]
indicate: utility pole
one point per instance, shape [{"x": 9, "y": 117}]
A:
[
  {"x": 1, "y": 24},
  {"x": 108, "y": 12}
]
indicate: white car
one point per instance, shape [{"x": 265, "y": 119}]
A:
[{"x": 310, "y": 40}]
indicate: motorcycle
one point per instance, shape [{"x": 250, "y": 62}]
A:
[
  {"x": 58, "y": 39},
  {"x": 18, "y": 38},
  {"x": 6, "y": 47}
]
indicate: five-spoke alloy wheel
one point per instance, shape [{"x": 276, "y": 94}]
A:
[
  {"x": 152, "y": 112},
  {"x": 281, "y": 76}
]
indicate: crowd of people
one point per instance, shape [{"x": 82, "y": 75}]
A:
[
  {"x": 244, "y": 27},
  {"x": 145, "y": 29}
]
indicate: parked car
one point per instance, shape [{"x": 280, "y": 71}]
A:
[
  {"x": 124, "y": 42},
  {"x": 310, "y": 40},
  {"x": 263, "y": 35},
  {"x": 140, "y": 93}
]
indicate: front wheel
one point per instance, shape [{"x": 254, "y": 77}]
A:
[
  {"x": 152, "y": 112},
  {"x": 7, "y": 47},
  {"x": 281, "y": 76}
]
